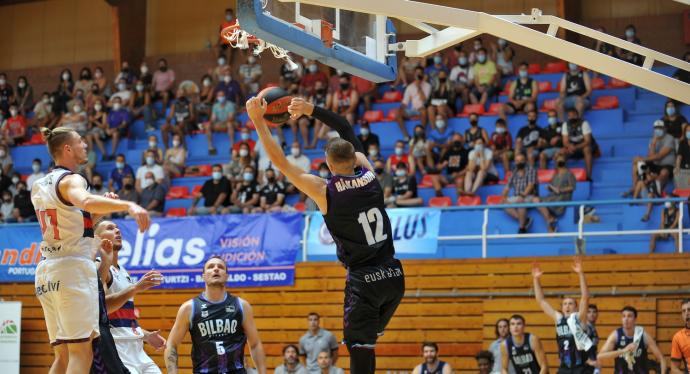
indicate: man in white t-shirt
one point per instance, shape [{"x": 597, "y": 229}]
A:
[
  {"x": 122, "y": 92},
  {"x": 414, "y": 100},
  {"x": 152, "y": 166},
  {"x": 297, "y": 158},
  {"x": 481, "y": 167},
  {"x": 462, "y": 77},
  {"x": 250, "y": 74},
  {"x": 578, "y": 142},
  {"x": 36, "y": 173}
]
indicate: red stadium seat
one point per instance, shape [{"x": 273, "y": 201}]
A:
[
  {"x": 177, "y": 192},
  {"x": 373, "y": 116},
  {"x": 201, "y": 171},
  {"x": 617, "y": 83},
  {"x": 35, "y": 139},
  {"x": 494, "y": 199},
  {"x": 506, "y": 177},
  {"x": 549, "y": 105},
  {"x": 426, "y": 181},
  {"x": 555, "y": 67},
  {"x": 176, "y": 212},
  {"x": 598, "y": 83},
  {"x": 580, "y": 174},
  {"x": 682, "y": 192},
  {"x": 196, "y": 191},
  {"x": 440, "y": 201},
  {"x": 469, "y": 201},
  {"x": 494, "y": 108},
  {"x": 472, "y": 108},
  {"x": 300, "y": 207},
  {"x": 23, "y": 177},
  {"x": 544, "y": 86},
  {"x": 249, "y": 124},
  {"x": 506, "y": 88},
  {"x": 545, "y": 175},
  {"x": 606, "y": 102},
  {"x": 391, "y": 97},
  {"x": 392, "y": 113},
  {"x": 316, "y": 162},
  {"x": 533, "y": 69}
]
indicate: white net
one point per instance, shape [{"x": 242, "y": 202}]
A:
[{"x": 238, "y": 38}]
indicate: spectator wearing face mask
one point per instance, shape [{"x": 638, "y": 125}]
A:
[
  {"x": 245, "y": 137},
  {"x": 366, "y": 137},
  {"x": 374, "y": 153},
  {"x": 84, "y": 82},
  {"x": 398, "y": 157},
  {"x": 553, "y": 140},
  {"x": 123, "y": 93},
  {"x": 674, "y": 122},
  {"x": 6, "y": 94},
  {"x": 561, "y": 187},
  {"x": 432, "y": 71},
  {"x": 414, "y": 102},
  {"x": 481, "y": 168},
  {"x": 153, "y": 146},
  {"x": 419, "y": 148},
  {"x": 251, "y": 73},
  {"x": 23, "y": 208},
  {"x": 221, "y": 69},
  {"x": 442, "y": 97},
  {"x": 100, "y": 79},
  {"x": 406, "y": 71},
  {"x": 404, "y": 189},
  {"x": 530, "y": 139},
  {"x": 78, "y": 98},
  {"x": 681, "y": 172},
  {"x": 297, "y": 158},
  {"x": 239, "y": 161},
  {"x": 181, "y": 120},
  {"x": 385, "y": 179},
  {"x": 16, "y": 178},
  {"x": 24, "y": 95},
  {"x": 439, "y": 141},
  {"x": 14, "y": 130},
  {"x": 575, "y": 92},
  {"x": 216, "y": 193},
  {"x": 163, "y": 82},
  {"x": 76, "y": 119},
  {"x": 475, "y": 131},
  {"x": 92, "y": 96},
  {"x": 578, "y": 141},
  {"x": 119, "y": 120},
  {"x": 312, "y": 75},
  {"x": 206, "y": 97},
  {"x": 175, "y": 158},
  {"x": 36, "y": 173},
  {"x": 454, "y": 159},
  {"x": 630, "y": 35},
  {"x": 345, "y": 99},
  {"x": 501, "y": 144},
  {"x": 222, "y": 120},
  {"x": 152, "y": 195},
  {"x": 121, "y": 169},
  {"x": 232, "y": 89},
  {"x": 486, "y": 79},
  {"x": 125, "y": 73},
  {"x": 6, "y": 208},
  {"x": 127, "y": 192},
  {"x": 271, "y": 194},
  {"x": 44, "y": 116},
  {"x": 144, "y": 76},
  {"x": 64, "y": 91},
  {"x": 97, "y": 187},
  {"x": 6, "y": 162},
  {"x": 229, "y": 20},
  {"x": 140, "y": 105},
  {"x": 245, "y": 195},
  {"x": 522, "y": 96},
  {"x": 461, "y": 77},
  {"x": 660, "y": 159},
  {"x": 477, "y": 44},
  {"x": 503, "y": 54},
  {"x": 151, "y": 166},
  {"x": 669, "y": 220}
]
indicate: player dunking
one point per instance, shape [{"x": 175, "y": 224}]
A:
[
  {"x": 353, "y": 208},
  {"x": 220, "y": 325},
  {"x": 66, "y": 281}
]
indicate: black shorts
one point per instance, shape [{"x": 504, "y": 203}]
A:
[
  {"x": 656, "y": 169},
  {"x": 372, "y": 294},
  {"x": 105, "y": 357},
  {"x": 575, "y": 370}
]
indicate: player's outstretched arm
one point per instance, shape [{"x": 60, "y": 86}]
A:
[
  {"x": 539, "y": 293},
  {"x": 311, "y": 185},
  {"x": 607, "y": 351},
  {"x": 73, "y": 188},
  {"x": 177, "y": 333},
  {"x": 584, "y": 291},
  {"x": 541, "y": 355},
  {"x": 116, "y": 300},
  {"x": 255, "y": 347}
]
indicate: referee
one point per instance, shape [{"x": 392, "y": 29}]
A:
[{"x": 680, "y": 346}]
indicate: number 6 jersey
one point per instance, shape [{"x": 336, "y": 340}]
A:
[
  {"x": 66, "y": 229},
  {"x": 357, "y": 219}
]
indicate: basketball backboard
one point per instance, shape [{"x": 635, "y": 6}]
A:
[{"x": 354, "y": 42}]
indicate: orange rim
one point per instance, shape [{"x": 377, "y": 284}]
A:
[{"x": 230, "y": 34}]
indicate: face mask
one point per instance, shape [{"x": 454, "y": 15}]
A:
[
  {"x": 667, "y": 205},
  {"x": 15, "y": 180},
  {"x": 629, "y": 33},
  {"x": 221, "y": 99},
  {"x": 420, "y": 133},
  {"x": 36, "y": 168},
  {"x": 339, "y": 72},
  {"x": 176, "y": 143},
  {"x": 216, "y": 175},
  {"x": 523, "y": 73},
  {"x": 140, "y": 87},
  {"x": 228, "y": 17},
  {"x": 520, "y": 165},
  {"x": 474, "y": 122},
  {"x": 552, "y": 120},
  {"x": 462, "y": 61},
  {"x": 294, "y": 152},
  {"x": 120, "y": 165},
  {"x": 77, "y": 109},
  {"x": 244, "y": 153},
  {"x": 98, "y": 107},
  {"x": 163, "y": 68},
  {"x": 98, "y": 186},
  {"x": 150, "y": 161},
  {"x": 45, "y": 100},
  {"x": 420, "y": 76},
  {"x": 121, "y": 86},
  {"x": 313, "y": 68},
  {"x": 658, "y": 133},
  {"x": 500, "y": 130},
  {"x": 21, "y": 84},
  {"x": 687, "y": 135},
  {"x": 477, "y": 46},
  {"x": 271, "y": 179},
  {"x": 323, "y": 174},
  {"x": 2, "y": 82},
  {"x": 532, "y": 122},
  {"x": 671, "y": 111},
  {"x": 227, "y": 79},
  {"x": 572, "y": 67},
  {"x": 13, "y": 112},
  {"x": 144, "y": 69},
  {"x": 481, "y": 58},
  {"x": 248, "y": 177},
  {"x": 364, "y": 131},
  {"x": 221, "y": 61},
  {"x": 501, "y": 42},
  {"x": 244, "y": 136},
  {"x": 372, "y": 153},
  {"x": 320, "y": 91},
  {"x": 560, "y": 163},
  {"x": 398, "y": 151},
  {"x": 7, "y": 199},
  {"x": 2, "y": 153},
  {"x": 437, "y": 60},
  {"x": 344, "y": 86},
  {"x": 457, "y": 144},
  {"x": 442, "y": 79},
  {"x": 153, "y": 144},
  {"x": 479, "y": 148},
  {"x": 65, "y": 77},
  {"x": 146, "y": 183},
  {"x": 128, "y": 186},
  {"x": 400, "y": 173},
  {"x": 251, "y": 60},
  {"x": 207, "y": 82},
  {"x": 440, "y": 123},
  {"x": 98, "y": 74}
]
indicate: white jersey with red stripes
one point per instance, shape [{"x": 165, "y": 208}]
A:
[
  {"x": 123, "y": 322},
  {"x": 66, "y": 229}
]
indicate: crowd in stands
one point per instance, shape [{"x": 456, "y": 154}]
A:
[{"x": 459, "y": 82}]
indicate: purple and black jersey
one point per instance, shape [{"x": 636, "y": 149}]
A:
[
  {"x": 357, "y": 219},
  {"x": 218, "y": 338}
]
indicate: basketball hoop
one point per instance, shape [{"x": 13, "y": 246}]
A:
[{"x": 234, "y": 36}]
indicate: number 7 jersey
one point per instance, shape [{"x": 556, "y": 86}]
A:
[
  {"x": 357, "y": 219},
  {"x": 66, "y": 229}
]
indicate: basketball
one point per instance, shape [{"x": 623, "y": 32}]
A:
[{"x": 278, "y": 101}]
